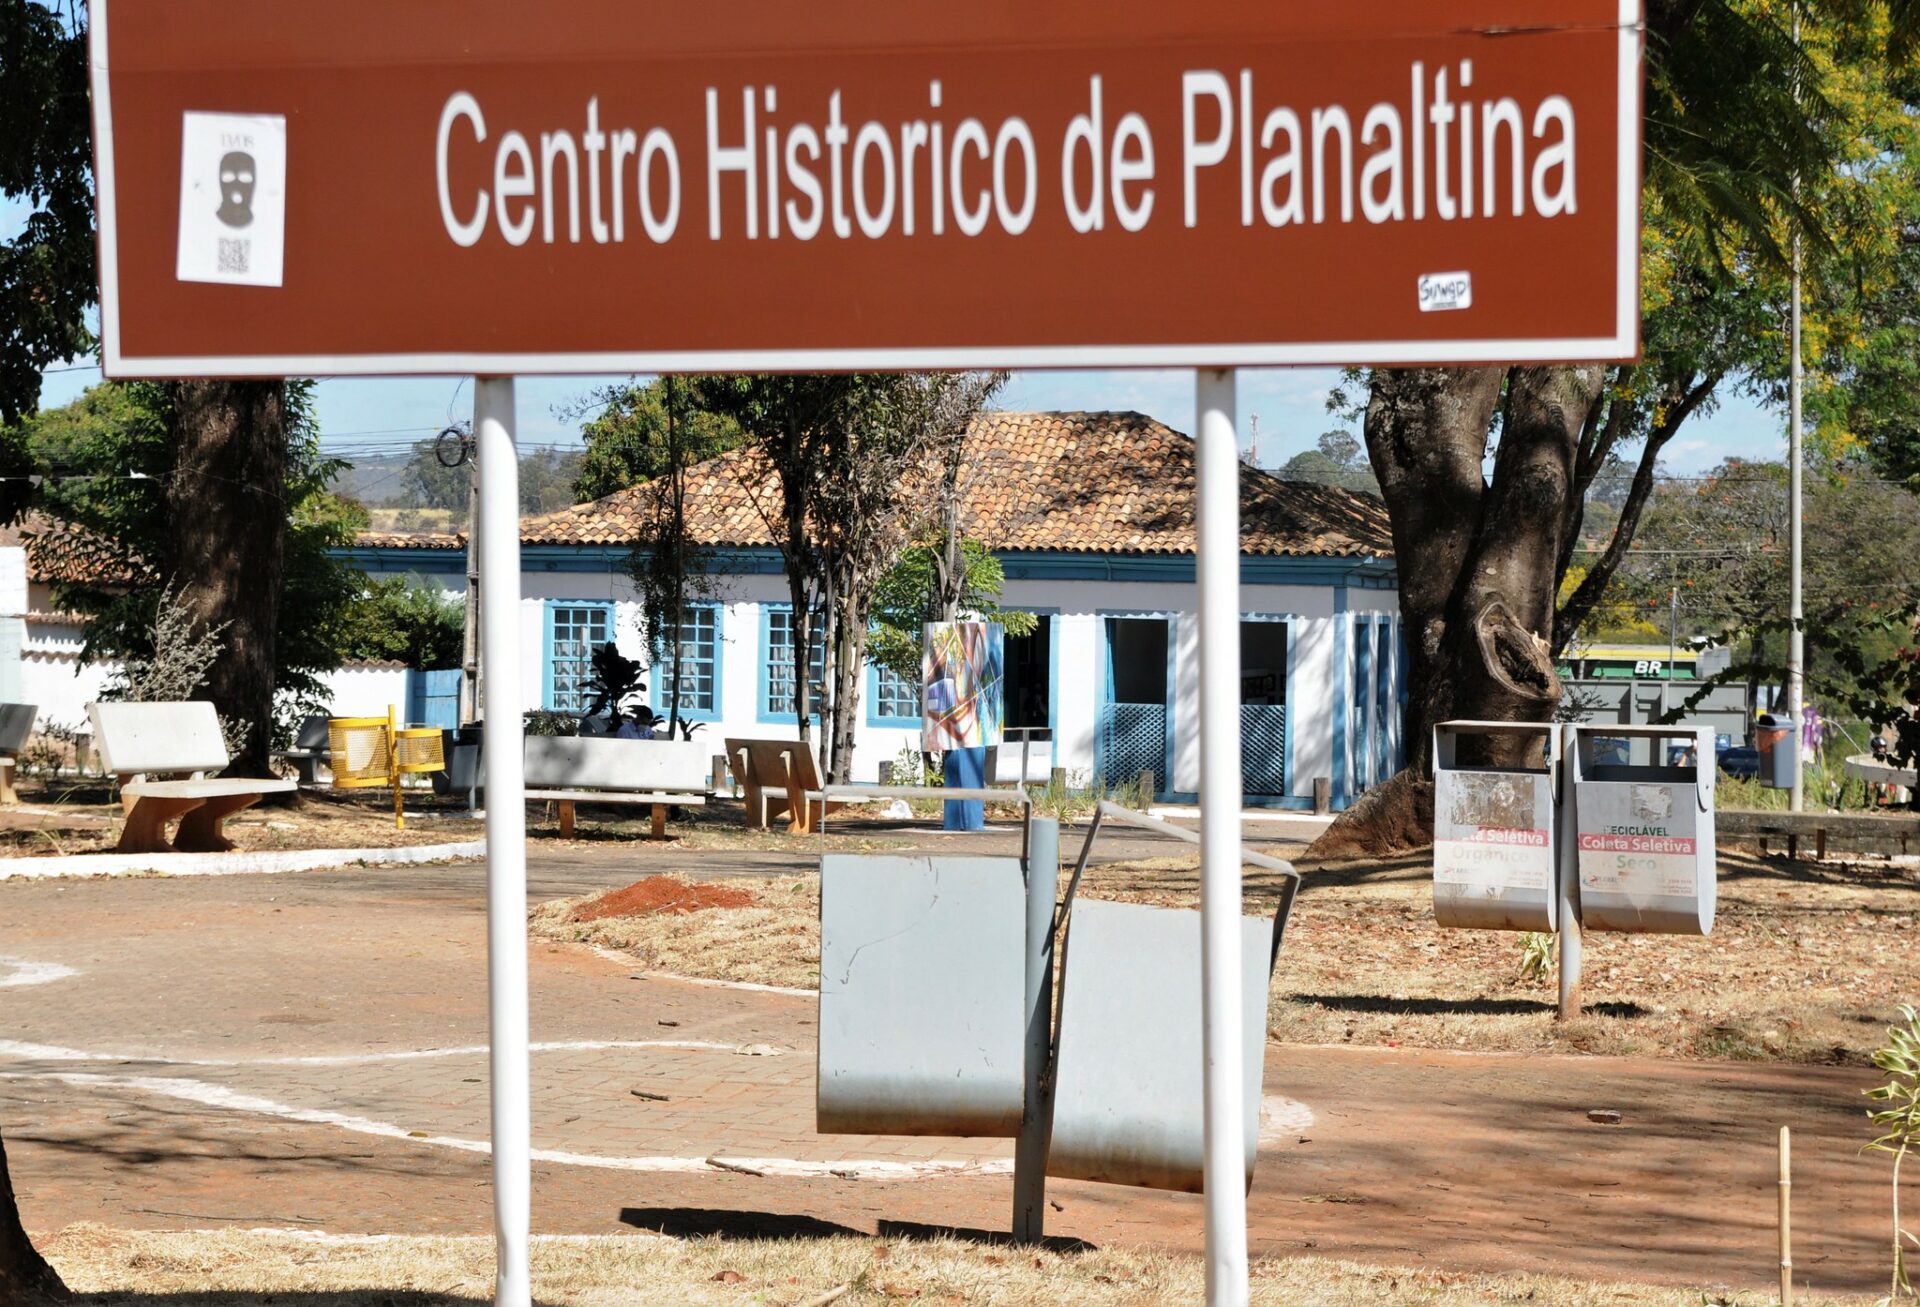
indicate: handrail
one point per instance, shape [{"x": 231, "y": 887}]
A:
[{"x": 1127, "y": 816}]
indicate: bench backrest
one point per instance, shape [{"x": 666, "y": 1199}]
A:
[
  {"x": 16, "y": 724},
  {"x": 313, "y": 733},
  {"x": 766, "y": 766},
  {"x": 143, "y": 738},
  {"x": 567, "y": 762}
]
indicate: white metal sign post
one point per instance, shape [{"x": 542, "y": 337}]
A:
[
  {"x": 1217, "y": 541},
  {"x": 503, "y": 748}
]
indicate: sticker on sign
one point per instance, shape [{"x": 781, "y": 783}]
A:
[{"x": 1440, "y": 291}]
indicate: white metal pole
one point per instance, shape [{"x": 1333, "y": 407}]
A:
[
  {"x": 499, "y": 532},
  {"x": 1217, "y": 456},
  {"x": 1796, "y": 640}
]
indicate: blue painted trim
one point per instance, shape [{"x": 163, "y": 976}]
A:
[
  {"x": 764, "y": 712},
  {"x": 1342, "y": 627},
  {"x": 875, "y": 718},
  {"x": 1023, "y": 565},
  {"x": 659, "y": 681},
  {"x": 1362, "y": 714}
]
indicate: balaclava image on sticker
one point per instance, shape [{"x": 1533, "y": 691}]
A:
[{"x": 236, "y": 188}]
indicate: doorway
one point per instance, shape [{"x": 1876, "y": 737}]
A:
[
  {"x": 1132, "y": 737},
  {"x": 1263, "y": 707}
]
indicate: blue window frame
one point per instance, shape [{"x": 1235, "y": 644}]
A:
[
  {"x": 699, "y": 650},
  {"x": 575, "y": 628},
  {"x": 893, "y": 699},
  {"x": 777, "y": 670}
]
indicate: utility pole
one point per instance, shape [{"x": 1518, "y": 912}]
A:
[
  {"x": 1673, "y": 642},
  {"x": 470, "y": 634},
  {"x": 1796, "y": 639}
]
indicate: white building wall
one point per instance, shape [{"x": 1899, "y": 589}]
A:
[
  {"x": 366, "y": 689},
  {"x": 1321, "y": 674}
]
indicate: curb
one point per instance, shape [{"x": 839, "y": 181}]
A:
[{"x": 84, "y": 865}]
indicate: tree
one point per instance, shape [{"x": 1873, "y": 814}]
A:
[
  {"x": 1751, "y": 135},
  {"x": 793, "y": 422},
  {"x": 1338, "y": 459},
  {"x": 124, "y": 465},
  {"x": 866, "y": 513},
  {"x": 393, "y": 619},
  {"x": 904, "y": 599},
  {"x": 46, "y": 284},
  {"x": 627, "y": 436}
]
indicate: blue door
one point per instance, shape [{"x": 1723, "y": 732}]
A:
[{"x": 433, "y": 698}]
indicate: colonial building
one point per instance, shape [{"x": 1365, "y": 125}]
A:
[{"x": 1091, "y": 516}]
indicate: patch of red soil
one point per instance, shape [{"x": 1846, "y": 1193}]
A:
[{"x": 662, "y": 895}]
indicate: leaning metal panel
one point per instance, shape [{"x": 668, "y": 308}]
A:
[
  {"x": 1263, "y": 748},
  {"x": 922, "y": 979},
  {"x": 1128, "y": 1104},
  {"x": 1133, "y": 739}
]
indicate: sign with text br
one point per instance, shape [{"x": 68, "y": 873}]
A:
[{"x": 488, "y": 186}]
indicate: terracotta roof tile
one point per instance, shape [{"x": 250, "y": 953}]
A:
[{"x": 1045, "y": 482}]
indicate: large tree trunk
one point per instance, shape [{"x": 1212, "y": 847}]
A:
[
  {"x": 228, "y": 530},
  {"x": 1477, "y": 560},
  {"x": 25, "y": 1277}
]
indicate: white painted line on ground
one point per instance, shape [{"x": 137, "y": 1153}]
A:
[
  {"x": 263, "y": 862},
  {"x": 219, "y": 1096},
  {"x": 16, "y": 972},
  {"x": 56, "y": 1053},
  {"x": 746, "y": 985}
]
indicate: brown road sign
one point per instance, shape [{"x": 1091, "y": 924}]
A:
[{"x": 486, "y": 186}]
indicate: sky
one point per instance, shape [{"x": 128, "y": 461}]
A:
[
  {"x": 1290, "y": 405},
  {"x": 1284, "y": 410}
]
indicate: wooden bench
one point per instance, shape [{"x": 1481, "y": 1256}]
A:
[
  {"x": 778, "y": 776},
  {"x": 16, "y": 725},
  {"x": 570, "y": 769},
  {"x": 140, "y": 740}
]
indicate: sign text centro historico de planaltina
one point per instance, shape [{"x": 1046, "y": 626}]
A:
[{"x": 777, "y": 170}]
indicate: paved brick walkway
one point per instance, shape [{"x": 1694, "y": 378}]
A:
[{"x": 249, "y": 1051}]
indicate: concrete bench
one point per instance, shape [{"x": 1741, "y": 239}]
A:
[
  {"x": 311, "y": 749},
  {"x": 571, "y": 769},
  {"x": 140, "y": 740},
  {"x": 16, "y": 725}
]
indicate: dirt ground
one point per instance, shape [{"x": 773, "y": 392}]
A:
[
  {"x": 52, "y": 822},
  {"x": 1807, "y": 962},
  {"x": 208, "y": 1269}
]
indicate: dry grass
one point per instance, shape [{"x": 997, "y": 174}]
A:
[
  {"x": 775, "y": 943},
  {"x": 202, "y": 1269},
  {"x": 1806, "y": 962}
]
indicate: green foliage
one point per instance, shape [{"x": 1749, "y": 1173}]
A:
[
  {"x": 903, "y": 603},
  {"x": 1899, "y": 1122},
  {"x": 1338, "y": 459},
  {"x": 627, "y": 443},
  {"x": 545, "y": 721},
  {"x": 108, "y": 457},
  {"x": 46, "y": 271},
  {"x": 612, "y": 680},
  {"x": 1536, "y": 955},
  {"x": 407, "y": 620}
]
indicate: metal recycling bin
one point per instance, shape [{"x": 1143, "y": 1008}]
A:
[
  {"x": 1494, "y": 860},
  {"x": 1129, "y": 1091},
  {"x": 1642, "y": 857},
  {"x": 922, "y": 989},
  {"x": 1779, "y": 753}
]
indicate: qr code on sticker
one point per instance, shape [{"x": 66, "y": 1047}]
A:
[{"x": 233, "y": 255}]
